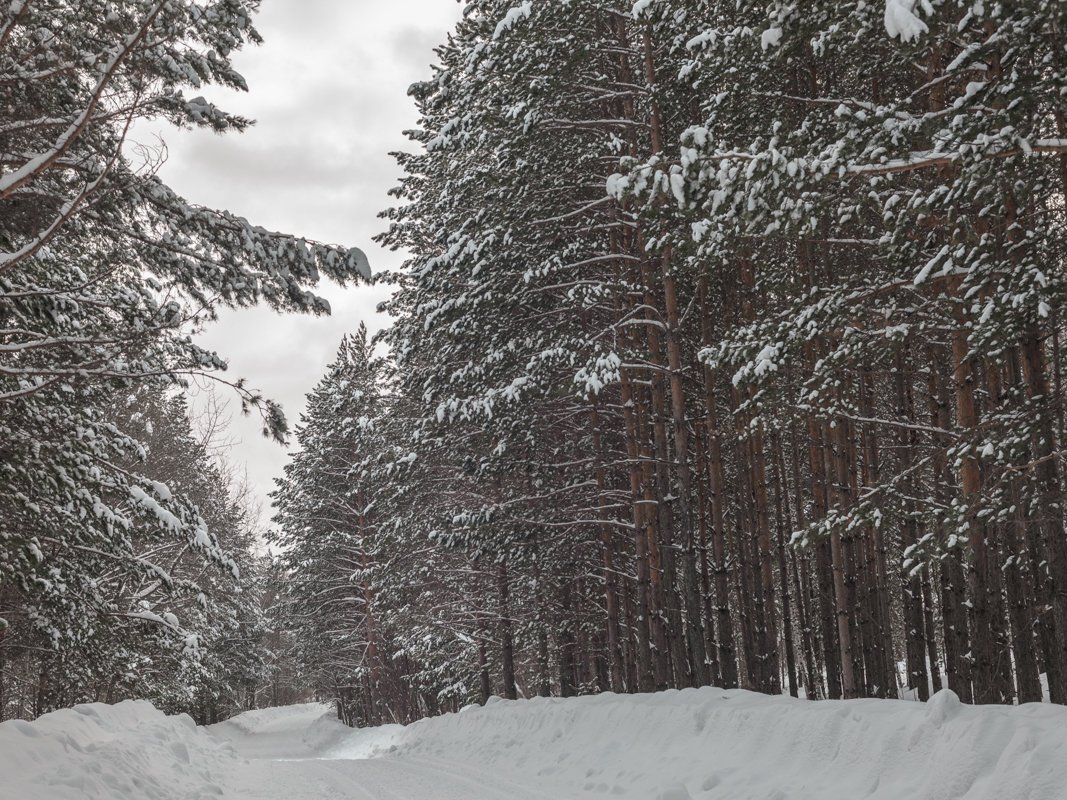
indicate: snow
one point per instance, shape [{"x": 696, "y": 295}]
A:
[
  {"x": 120, "y": 752},
  {"x": 770, "y": 38},
  {"x": 696, "y": 744},
  {"x": 162, "y": 491},
  {"x": 301, "y": 731},
  {"x": 513, "y": 16},
  {"x": 640, "y": 7},
  {"x": 166, "y": 518},
  {"x": 739, "y": 745},
  {"x": 901, "y": 21}
]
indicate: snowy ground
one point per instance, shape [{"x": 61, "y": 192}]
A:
[{"x": 706, "y": 744}]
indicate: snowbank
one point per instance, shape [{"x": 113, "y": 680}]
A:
[
  {"x": 98, "y": 752},
  {"x": 706, "y": 744},
  {"x": 709, "y": 744}
]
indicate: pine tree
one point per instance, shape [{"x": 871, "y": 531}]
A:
[
  {"x": 727, "y": 351},
  {"x": 104, "y": 271}
]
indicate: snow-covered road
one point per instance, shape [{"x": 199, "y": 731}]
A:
[
  {"x": 302, "y": 752},
  {"x": 370, "y": 779},
  {"x": 706, "y": 744}
]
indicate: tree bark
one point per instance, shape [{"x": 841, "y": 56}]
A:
[
  {"x": 507, "y": 643},
  {"x": 611, "y": 594},
  {"x": 1053, "y": 537},
  {"x": 987, "y": 687}
]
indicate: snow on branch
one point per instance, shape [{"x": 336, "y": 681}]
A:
[{"x": 902, "y": 23}]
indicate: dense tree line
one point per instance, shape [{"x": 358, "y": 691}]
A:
[
  {"x": 124, "y": 561},
  {"x": 727, "y": 351},
  {"x": 52, "y": 658}
]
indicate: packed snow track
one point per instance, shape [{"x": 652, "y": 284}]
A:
[
  {"x": 706, "y": 744},
  {"x": 304, "y": 752}
]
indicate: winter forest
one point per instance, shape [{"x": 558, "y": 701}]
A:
[{"x": 726, "y": 352}]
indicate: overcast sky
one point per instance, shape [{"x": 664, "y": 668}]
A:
[{"x": 328, "y": 90}]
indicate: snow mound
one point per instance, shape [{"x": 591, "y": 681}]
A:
[
  {"x": 101, "y": 752},
  {"x": 293, "y": 732},
  {"x": 282, "y": 718},
  {"x": 714, "y": 744}
]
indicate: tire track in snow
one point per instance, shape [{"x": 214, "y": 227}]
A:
[{"x": 370, "y": 779}]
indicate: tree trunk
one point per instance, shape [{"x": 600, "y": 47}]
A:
[
  {"x": 844, "y": 602},
  {"x": 828, "y": 595},
  {"x": 953, "y": 598},
  {"x": 782, "y": 517},
  {"x": 641, "y": 516},
  {"x": 717, "y": 490},
  {"x": 911, "y": 586},
  {"x": 698, "y": 656},
  {"x": 1053, "y": 537},
  {"x": 987, "y": 688},
  {"x": 611, "y": 594},
  {"x": 801, "y": 588},
  {"x": 507, "y": 645}
]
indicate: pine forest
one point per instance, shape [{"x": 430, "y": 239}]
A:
[{"x": 727, "y": 351}]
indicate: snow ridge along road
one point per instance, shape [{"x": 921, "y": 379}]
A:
[{"x": 706, "y": 744}]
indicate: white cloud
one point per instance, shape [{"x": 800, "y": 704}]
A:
[{"x": 329, "y": 92}]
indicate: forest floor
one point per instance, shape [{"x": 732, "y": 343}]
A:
[{"x": 706, "y": 744}]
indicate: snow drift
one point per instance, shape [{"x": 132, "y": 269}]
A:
[
  {"x": 123, "y": 752},
  {"x": 710, "y": 743},
  {"x": 706, "y": 744}
]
